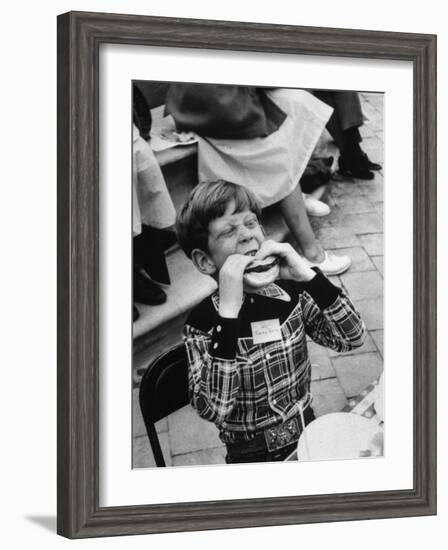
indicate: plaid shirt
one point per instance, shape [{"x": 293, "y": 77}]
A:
[{"x": 244, "y": 387}]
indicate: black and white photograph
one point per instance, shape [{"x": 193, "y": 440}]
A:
[
  {"x": 257, "y": 269},
  {"x": 222, "y": 250}
]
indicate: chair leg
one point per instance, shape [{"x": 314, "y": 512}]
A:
[{"x": 155, "y": 445}]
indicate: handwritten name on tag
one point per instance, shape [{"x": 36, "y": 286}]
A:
[{"x": 266, "y": 331}]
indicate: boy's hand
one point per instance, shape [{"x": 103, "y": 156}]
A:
[
  {"x": 292, "y": 266},
  {"x": 231, "y": 284}
]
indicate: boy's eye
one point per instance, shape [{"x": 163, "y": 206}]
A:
[
  {"x": 251, "y": 224},
  {"x": 228, "y": 231}
]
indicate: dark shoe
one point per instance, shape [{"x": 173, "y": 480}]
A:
[
  {"x": 149, "y": 252},
  {"x": 354, "y": 168},
  {"x": 164, "y": 237},
  {"x": 146, "y": 291},
  {"x": 135, "y": 314},
  {"x": 369, "y": 164}
]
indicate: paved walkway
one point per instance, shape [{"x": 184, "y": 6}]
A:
[{"x": 354, "y": 227}]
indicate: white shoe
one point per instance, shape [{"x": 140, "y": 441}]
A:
[
  {"x": 333, "y": 265},
  {"x": 315, "y": 207}
]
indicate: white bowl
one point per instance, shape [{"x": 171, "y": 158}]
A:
[{"x": 337, "y": 436}]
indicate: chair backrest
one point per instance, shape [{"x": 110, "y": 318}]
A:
[{"x": 163, "y": 390}]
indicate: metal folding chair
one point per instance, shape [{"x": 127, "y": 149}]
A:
[{"x": 163, "y": 390}]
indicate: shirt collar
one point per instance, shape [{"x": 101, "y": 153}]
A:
[
  {"x": 274, "y": 291},
  {"x": 271, "y": 291}
]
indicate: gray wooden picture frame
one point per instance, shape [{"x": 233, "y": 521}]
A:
[{"x": 79, "y": 38}]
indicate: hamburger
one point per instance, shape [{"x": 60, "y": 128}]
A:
[{"x": 260, "y": 273}]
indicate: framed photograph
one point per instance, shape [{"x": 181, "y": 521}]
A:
[{"x": 246, "y": 274}]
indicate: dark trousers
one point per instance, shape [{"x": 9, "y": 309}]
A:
[{"x": 346, "y": 118}]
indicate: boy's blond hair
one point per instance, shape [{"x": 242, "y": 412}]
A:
[{"x": 207, "y": 202}]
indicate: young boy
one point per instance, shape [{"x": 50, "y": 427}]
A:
[{"x": 249, "y": 369}]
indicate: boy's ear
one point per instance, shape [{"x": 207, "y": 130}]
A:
[{"x": 203, "y": 262}]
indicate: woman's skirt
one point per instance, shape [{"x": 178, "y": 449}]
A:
[{"x": 271, "y": 166}]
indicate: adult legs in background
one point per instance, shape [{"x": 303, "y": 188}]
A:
[
  {"x": 153, "y": 213},
  {"x": 294, "y": 213},
  {"x": 347, "y": 113},
  {"x": 343, "y": 126}
]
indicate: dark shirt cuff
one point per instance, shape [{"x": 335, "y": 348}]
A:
[
  {"x": 225, "y": 338},
  {"x": 321, "y": 290}
]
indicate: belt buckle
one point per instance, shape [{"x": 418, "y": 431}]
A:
[{"x": 280, "y": 436}]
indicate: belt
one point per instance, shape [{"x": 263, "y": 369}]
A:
[{"x": 275, "y": 437}]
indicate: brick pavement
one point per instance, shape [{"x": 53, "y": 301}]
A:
[{"x": 354, "y": 227}]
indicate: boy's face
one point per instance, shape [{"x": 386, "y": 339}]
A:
[{"x": 233, "y": 233}]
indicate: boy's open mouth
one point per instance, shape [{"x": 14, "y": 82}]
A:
[{"x": 258, "y": 266}]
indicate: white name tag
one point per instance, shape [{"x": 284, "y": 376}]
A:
[{"x": 266, "y": 331}]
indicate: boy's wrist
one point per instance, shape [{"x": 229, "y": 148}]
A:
[
  {"x": 306, "y": 275},
  {"x": 229, "y": 308},
  {"x": 228, "y": 312},
  {"x": 323, "y": 291}
]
